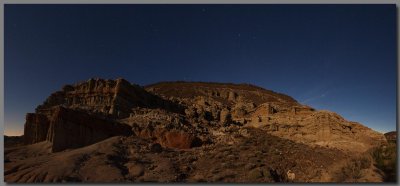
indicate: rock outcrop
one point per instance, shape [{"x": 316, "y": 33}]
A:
[
  {"x": 74, "y": 129},
  {"x": 182, "y": 131},
  {"x": 391, "y": 136},
  {"x": 221, "y": 105},
  {"x": 111, "y": 98},
  {"x": 68, "y": 117},
  {"x": 193, "y": 109},
  {"x": 67, "y": 128},
  {"x": 36, "y": 127}
]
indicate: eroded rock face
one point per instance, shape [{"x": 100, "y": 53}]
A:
[
  {"x": 278, "y": 114},
  {"x": 36, "y": 127},
  {"x": 73, "y": 129},
  {"x": 322, "y": 128},
  {"x": 235, "y": 133},
  {"x": 112, "y": 98},
  {"x": 67, "y": 128},
  {"x": 191, "y": 109}
]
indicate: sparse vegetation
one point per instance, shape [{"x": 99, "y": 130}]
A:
[
  {"x": 385, "y": 159},
  {"x": 353, "y": 169}
]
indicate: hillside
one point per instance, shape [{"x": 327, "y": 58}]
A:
[{"x": 112, "y": 130}]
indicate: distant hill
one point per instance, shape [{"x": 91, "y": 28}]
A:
[
  {"x": 391, "y": 136},
  {"x": 13, "y": 141}
]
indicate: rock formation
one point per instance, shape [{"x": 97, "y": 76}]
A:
[
  {"x": 264, "y": 132},
  {"x": 278, "y": 114},
  {"x": 73, "y": 129},
  {"x": 67, "y": 128},
  {"x": 391, "y": 136},
  {"x": 36, "y": 127},
  {"x": 157, "y": 111},
  {"x": 112, "y": 98}
]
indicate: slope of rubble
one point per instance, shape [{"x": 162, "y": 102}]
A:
[{"x": 253, "y": 157}]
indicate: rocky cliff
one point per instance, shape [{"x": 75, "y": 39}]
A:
[
  {"x": 185, "y": 131},
  {"x": 221, "y": 105},
  {"x": 67, "y": 128},
  {"x": 36, "y": 127},
  {"x": 193, "y": 112},
  {"x": 110, "y": 98},
  {"x": 73, "y": 129}
]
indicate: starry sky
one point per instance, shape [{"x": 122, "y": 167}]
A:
[{"x": 340, "y": 58}]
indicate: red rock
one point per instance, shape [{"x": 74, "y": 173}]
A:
[{"x": 177, "y": 139}]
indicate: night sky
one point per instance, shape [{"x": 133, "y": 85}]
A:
[{"x": 340, "y": 58}]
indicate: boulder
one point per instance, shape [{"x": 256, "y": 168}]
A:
[
  {"x": 135, "y": 170},
  {"x": 225, "y": 116},
  {"x": 178, "y": 139}
]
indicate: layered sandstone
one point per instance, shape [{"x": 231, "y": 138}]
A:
[
  {"x": 216, "y": 104},
  {"x": 235, "y": 132},
  {"x": 36, "y": 127},
  {"x": 193, "y": 109},
  {"x": 67, "y": 128},
  {"x": 112, "y": 98},
  {"x": 74, "y": 129}
]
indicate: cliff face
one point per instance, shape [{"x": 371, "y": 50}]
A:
[
  {"x": 111, "y": 98},
  {"x": 73, "y": 129},
  {"x": 81, "y": 114},
  {"x": 36, "y": 127},
  {"x": 68, "y": 128},
  {"x": 235, "y": 133},
  {"x": 181, "y": 111}
]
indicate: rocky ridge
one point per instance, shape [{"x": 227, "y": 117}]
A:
[{"x": 218, "y": 104}]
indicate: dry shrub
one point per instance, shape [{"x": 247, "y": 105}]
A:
[
  {"x": 386, "y": 160},
  {"x": 353, "y": 169}
]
